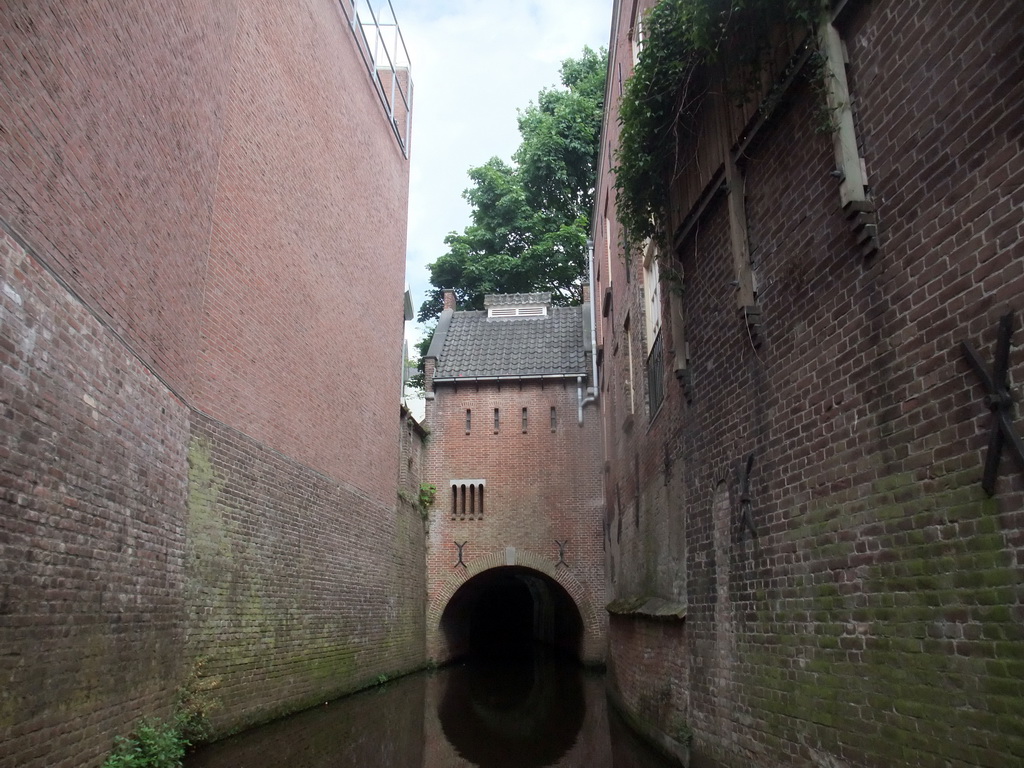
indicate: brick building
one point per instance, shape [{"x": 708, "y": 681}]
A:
[
  {"x": 514, "y": 451},
  {"x": 203, "y": 213},
  {"x": 814, "y": 541}
]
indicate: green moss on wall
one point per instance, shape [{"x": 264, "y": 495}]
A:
[{"x": 912, "y": 623}]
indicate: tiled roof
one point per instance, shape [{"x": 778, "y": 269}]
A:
[
  {"x": 515, "y": 299},
  {"x": 475, "y": 346}
]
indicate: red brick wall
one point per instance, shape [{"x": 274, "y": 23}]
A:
[
  {"x": 215, "y": 208},
  {"x": 189, "y": 173},
  {"x": 541, "y": 485},
  {"x": 875, "y": 618},
  {"x": 113, "y": 115},
  {"x": 302, "y": 315}
]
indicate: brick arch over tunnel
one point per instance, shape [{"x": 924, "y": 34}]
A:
[{"x": 591, "y": 646}]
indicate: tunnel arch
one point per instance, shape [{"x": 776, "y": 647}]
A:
[{"x": 443, "y": 639}]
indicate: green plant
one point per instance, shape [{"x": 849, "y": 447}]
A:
[
  {"x": 381, "y": 679},
  {"x": 428, "y": 492},
  {"x": 159, "y": 744},
  {"x": 196, "y": 701},
  {"x": 689, "y": 45},
  {"x": 153, "y": 744}
]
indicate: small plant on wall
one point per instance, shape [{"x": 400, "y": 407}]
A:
[{"x": 428, "y": 492}]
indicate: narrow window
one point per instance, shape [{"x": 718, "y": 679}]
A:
[
  {"x": 480, "y": 512},
  {"x": 455, "y": 501},
  {"x": 472, "y": 501},
  {"x": 462, "y": 501},
  {"x": 554, "y": 419},
  {"x": 524, "y": 420},
  {"x": 497, "y": 420},
  {"x": 469, "y": 420}
]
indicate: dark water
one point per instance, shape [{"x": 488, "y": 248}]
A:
[{"x": 522, "y": 714}]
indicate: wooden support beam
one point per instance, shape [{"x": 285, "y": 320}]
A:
[{"x": 853, "y": 184}]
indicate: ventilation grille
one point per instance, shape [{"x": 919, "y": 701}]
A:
[{"x": 534, "y": 311}]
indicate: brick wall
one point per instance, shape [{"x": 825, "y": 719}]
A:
[
  {"x": 92, "y": 528},
  {"x": 874, "y": 619},
  {"x": 303, "y": 309},
  {"x": 299, "y": 588},
  {"x": 204, "y": 337},
  {"x": 111, "y": 154},
  {"x": 541, "y": 485}
]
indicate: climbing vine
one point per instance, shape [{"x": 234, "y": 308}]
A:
[{"x": 687, "y": 39}]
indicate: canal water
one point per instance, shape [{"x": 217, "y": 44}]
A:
[{"x": 525, "y": 713}]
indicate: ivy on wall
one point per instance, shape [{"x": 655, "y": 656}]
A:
[{"x": 685, "y": 41}]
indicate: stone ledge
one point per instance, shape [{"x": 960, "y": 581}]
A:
[{"x": 649, "y": 607}]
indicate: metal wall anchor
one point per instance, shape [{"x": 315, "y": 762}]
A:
[
  {"x": 743, "y": 470},
  {"x": 561, "y": 553},
  {"x": 460, "y": 546},
  {"x": 998, "y": 400}
]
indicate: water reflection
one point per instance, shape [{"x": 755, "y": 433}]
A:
[{"x": 525, "y": 713}]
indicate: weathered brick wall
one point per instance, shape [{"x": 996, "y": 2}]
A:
[
  {"x": 215, "y": 204},
  {"x": 542, "y": 485},
  {"x": 299, "y": 588},
  {"x": 874, "y": 620},
  {"x": 92, "y": 528}
]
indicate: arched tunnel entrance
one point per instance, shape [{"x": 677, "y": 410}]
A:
[{"x": 508, "y": 612}]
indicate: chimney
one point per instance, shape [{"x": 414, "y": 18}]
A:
[
  {"x": 586, "y": 293},
  {"x": 449, "y": 298}
]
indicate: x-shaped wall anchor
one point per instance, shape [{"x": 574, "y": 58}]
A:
[
  {"x": 460, "y": 546},
  {"x": 561, "y": 553},
  {"x": 998, "y": 400},
  {"x": 743, "y": 469}
]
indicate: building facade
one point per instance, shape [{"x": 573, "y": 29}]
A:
[
  {"x": 514, "y": 454},
  {"x": 810, "y": 400},
  {"x": 204, "y": 212}
]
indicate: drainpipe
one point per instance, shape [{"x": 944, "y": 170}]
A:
[{"x": 591, "y": 391}]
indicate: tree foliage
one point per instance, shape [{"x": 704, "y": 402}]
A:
[{"x": 530, "y": 218}]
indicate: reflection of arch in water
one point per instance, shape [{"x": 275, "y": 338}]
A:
[
  {"x": 559, "y": 599},
  {"x": 517, "y": 714}
]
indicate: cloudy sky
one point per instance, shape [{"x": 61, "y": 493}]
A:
[{"x": 474, "y": 62}]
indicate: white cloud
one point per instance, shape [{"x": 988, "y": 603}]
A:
[{"x": 474, "y": 63}]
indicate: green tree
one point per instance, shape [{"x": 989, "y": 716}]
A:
[{"x": 530, "y": 220}]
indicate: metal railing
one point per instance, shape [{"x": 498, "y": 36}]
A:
[{"x": 382, "y": 46}]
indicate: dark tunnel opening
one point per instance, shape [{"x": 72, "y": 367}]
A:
[{"x": 510, "y": 613}]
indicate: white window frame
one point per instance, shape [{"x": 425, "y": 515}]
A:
[{"x": 652, "y": 294}]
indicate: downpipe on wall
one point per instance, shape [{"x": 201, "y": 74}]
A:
[{"x": 592, "y": 390}]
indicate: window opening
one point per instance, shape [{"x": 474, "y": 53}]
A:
[
  {"x": 554, "y": 419},
  {"x": 468, "y": 499},
  {"x": 469, "y": 420},
  {"x": 497, "y": 420},
  {"x": 524, "y": 420},
  {"x": 652, "y": 294}
]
